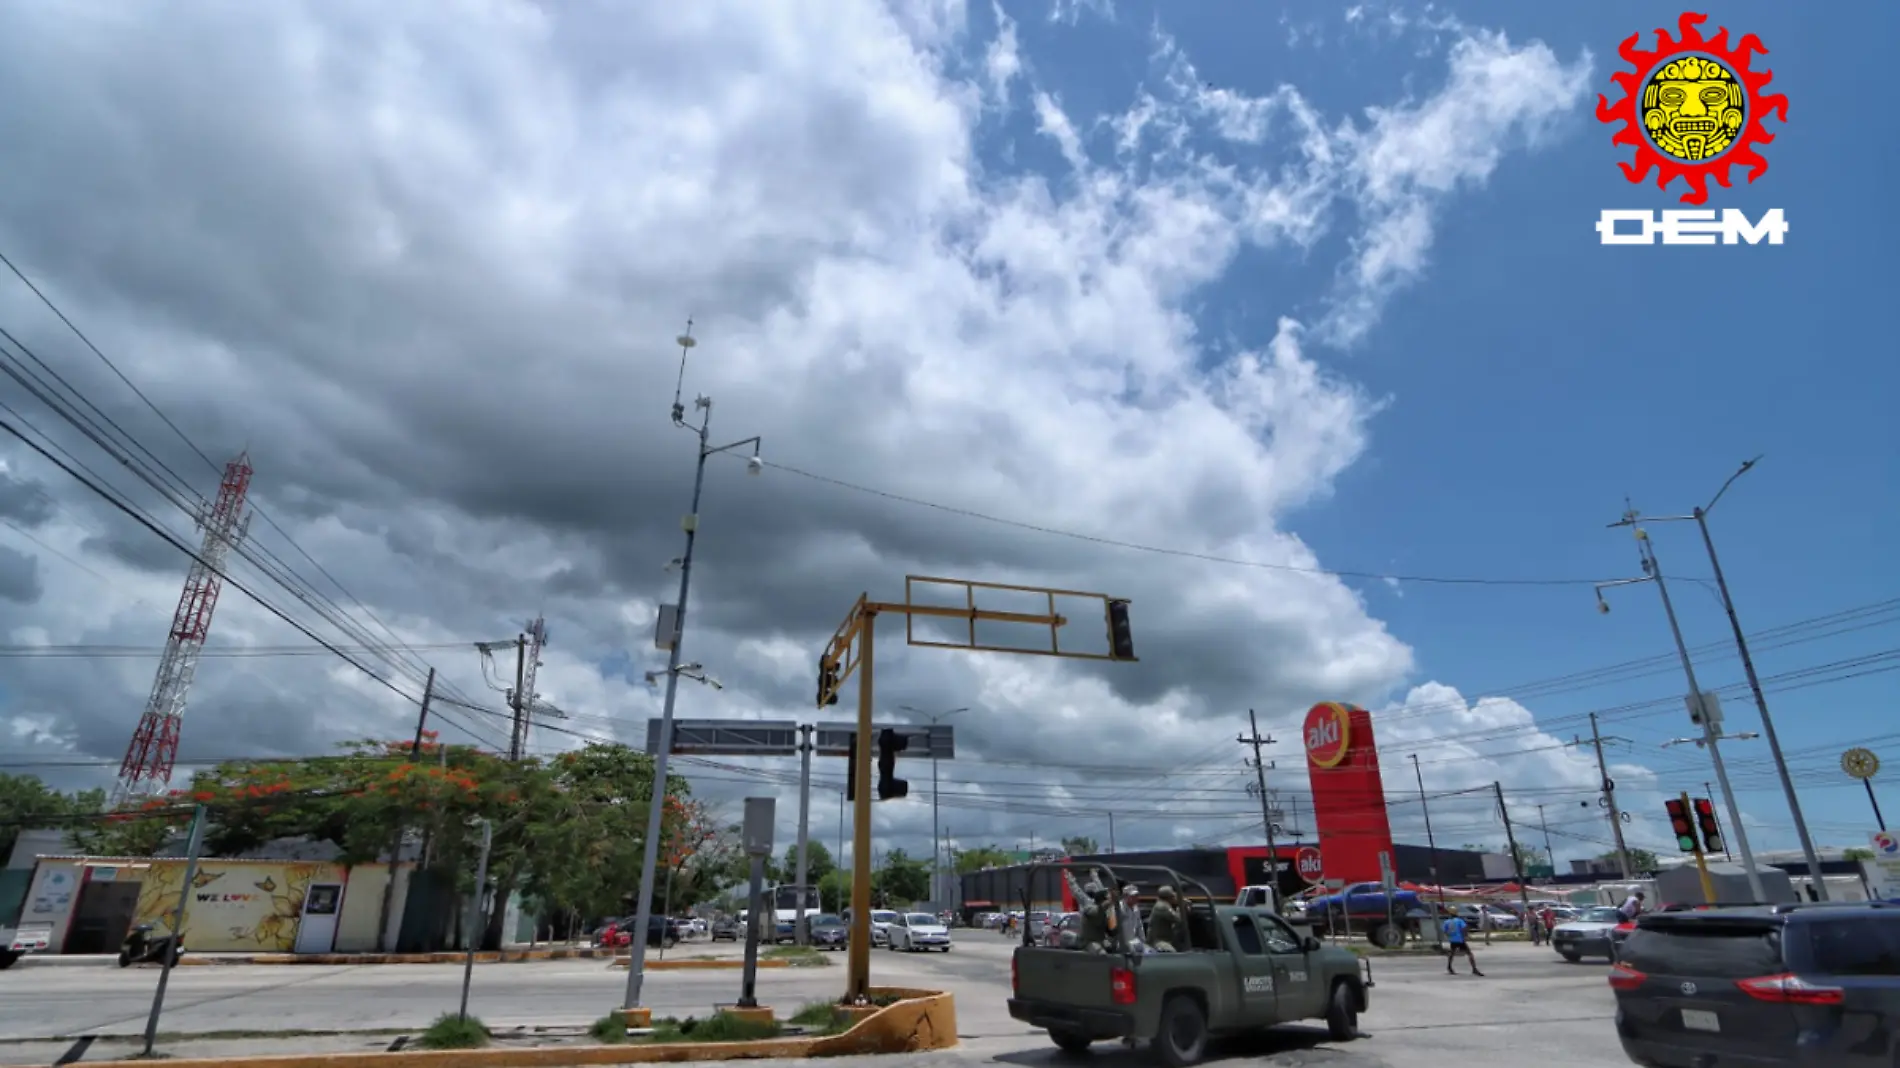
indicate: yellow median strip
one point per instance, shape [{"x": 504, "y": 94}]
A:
[{"x": 924, "y": 1020}]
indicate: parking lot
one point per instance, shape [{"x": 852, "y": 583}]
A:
[{"x": 1420, "y": 1017}]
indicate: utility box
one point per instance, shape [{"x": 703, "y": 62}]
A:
[
  {"x": 666, "y": 630},
  {"x": 757, "y": 829}
]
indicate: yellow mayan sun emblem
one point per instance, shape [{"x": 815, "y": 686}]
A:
[
  {"x": 266, "y": 884},
  {"x": 1693, "y": 108}
]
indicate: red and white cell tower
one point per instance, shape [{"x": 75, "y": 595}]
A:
[{"x": 148, "y": 760}]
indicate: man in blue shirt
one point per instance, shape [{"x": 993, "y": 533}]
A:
[{"x": 1455, "y": 933}]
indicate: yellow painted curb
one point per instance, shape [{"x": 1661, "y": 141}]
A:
[
  {"x": 925, "y": 1020},
  {"x": 689, "y": 965}
]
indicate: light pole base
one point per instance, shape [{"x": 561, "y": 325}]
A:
[
  {"x": 750, "y": 1013},
  {"x": 641, "y": 1017}
]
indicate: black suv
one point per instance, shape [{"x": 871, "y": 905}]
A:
[{"x": 1762, "y": 986}]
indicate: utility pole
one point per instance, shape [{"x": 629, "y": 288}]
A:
[
  {"x": 804, "y": 826},
  {"x": 1517, "y": 863},
  {"x": 1609, "y": 801},
  {"x": 938, "y": 890},
  {"x": 650, "y": 861},
  {"x": 519, "y": 704},
  {"x": 395, "y": 844},
  {"x": 1550, "y": 852},
  {"x": 1111, "y": 831},
  {"x": 193, "y": 844},
  {"x": 1266, "y": 804},
  {"x": 1430, "y": 843},
  {"x": 1652, "y": 571}
]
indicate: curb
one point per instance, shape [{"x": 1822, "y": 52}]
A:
[
  {"x": 506, "y": 956},
  {"x": 925, "y": 1020},
  {"x": 699, "y": 965}
]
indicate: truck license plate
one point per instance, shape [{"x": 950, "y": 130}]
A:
[{"x": 1700, "y": 1020}]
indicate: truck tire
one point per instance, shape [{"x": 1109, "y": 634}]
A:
[
  {"x": 8, "y": 958},
  {"x": 1181, "y": 1039},
  {"x": 1385, "y": 935},
  {"x": 1342, "y": 1013},
  {"x": 1070, "y": 1041},
  {"x": 1570, "y": 955}
]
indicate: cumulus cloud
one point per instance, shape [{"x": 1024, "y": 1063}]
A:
[{"x": 428, "y": 266}]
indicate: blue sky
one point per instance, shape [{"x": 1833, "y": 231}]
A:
[{"x": 1536, "y": 377}]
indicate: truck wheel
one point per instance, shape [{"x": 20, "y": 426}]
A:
[
  {"x": 1385, "y": 936},
  {"x": 1342, "y": 1013},
  {"x": 1182, "y": 1037},
  {"x": 1570, "y": 955},
  {"x": 1070, "y": 1041},
  {"x": 8, "y": 958}
]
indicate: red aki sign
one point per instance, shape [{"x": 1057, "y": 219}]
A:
[
  {"x": 1349, "y": 811},
  {"x": 1328, "y": 734}
]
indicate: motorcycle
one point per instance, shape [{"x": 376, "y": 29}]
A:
[{"x": 141, "y": 947}]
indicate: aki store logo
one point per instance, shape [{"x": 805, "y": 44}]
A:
[{"x": 1692, "y": 109}]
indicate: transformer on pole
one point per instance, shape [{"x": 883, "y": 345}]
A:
[{"x": 147, "y": 767}]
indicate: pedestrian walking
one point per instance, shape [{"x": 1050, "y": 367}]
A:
[{"x": 1455, "y": 929}]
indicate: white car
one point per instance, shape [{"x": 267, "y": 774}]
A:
[
  {"x": 881, "y": 920},
  {"x": 915, "y": 931},
  {"x": 1589, "y": 935}
]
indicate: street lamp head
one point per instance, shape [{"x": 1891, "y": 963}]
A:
[
  {"x": 1603, "y": 606},
  {"x": 754, "y": 464}
]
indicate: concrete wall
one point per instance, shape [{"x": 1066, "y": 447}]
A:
[{"x": 363, "y": 906}]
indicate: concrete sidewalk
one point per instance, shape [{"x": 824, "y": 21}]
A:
[{"x": 506, "y": 956}]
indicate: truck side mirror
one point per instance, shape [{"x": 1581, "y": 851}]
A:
[{"x": 1309, "y": 944}]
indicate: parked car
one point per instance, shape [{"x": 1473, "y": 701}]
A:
[
  {"x": 915, "y": 931},
  {"x": 881, "y": 926},
  {"x": 828, "y": 931},
  {"x": 725, "y": 929},
  {"x": 1589, "y": 935},
  {"x": 1764, "y": 985}
]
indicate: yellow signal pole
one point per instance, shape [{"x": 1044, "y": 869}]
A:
[
  {"x": 1701, "y": 862},
  {"x": 851, "y": 649}
]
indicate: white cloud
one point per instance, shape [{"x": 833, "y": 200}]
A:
[{"x": 438, "y": 268}]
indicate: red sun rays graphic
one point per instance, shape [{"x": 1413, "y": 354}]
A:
[{"x": 1741, "y": 152}]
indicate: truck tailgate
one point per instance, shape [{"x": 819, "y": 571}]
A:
[{"x": 1078, "y": 980}]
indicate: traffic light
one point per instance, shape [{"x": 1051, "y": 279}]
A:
[
  {"x": 1679, "y": 823},
  {"x": 889, "y": 744},
  {"x": 1711, "y": 830},
  {"x": 1121, "y": 640},
  {"x": 827, "y": 683},
  {"x": 851, "y": 769}
]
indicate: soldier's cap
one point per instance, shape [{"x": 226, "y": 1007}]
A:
[
  {"x": 1130, "y": 890},
  {"x": 1166, "y": 893}
]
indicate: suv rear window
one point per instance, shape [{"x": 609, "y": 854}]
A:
[
  {"x": 1855, "y": 945},
  {"x": 1727, "y": 950}
]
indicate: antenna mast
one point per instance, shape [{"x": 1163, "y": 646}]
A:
[{"x": 147, "y": 767}]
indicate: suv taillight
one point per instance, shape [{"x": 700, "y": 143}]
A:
[
  {"x": 1121, "y": 986},
  {"x": 1624, "y": 977},
  {"x": 1790, "y": 989}
]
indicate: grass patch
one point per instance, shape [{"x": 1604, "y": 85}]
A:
[
  {"x": 450, "y": 1031},
  {"x": 609, "y": 1030},
  {"x": 822, "y": 1018},
  {"x": 799, "y": 956},
  {"x": 719, "y": 1027}
]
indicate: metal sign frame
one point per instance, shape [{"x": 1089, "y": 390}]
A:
[
  {"x": 1052, "y": 619},
  {"x": 927, "y": 741},
  {"x": 727, "y": 737}
]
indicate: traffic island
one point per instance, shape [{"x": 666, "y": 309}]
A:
[{"x": 906, "y": 1021}]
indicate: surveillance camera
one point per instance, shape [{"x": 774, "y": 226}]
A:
[
  {"x": 1603, "y": 606},
  {"x": 710, "y": 681},
  {"x": 754, "y": 465}
]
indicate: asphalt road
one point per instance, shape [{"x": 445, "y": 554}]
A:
[{"x": 1420, "y": 1017}]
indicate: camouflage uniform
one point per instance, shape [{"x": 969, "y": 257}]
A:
[{"x": 1167, "y": 930}]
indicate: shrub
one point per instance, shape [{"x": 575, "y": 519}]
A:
[
  {"x": 609, "y": 1029},
  {"x": 450, "y": 1031}
]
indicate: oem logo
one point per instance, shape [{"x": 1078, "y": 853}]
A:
[
  {"x": 1692, "y": 109},
  {"x": 1328, "y": 733}
]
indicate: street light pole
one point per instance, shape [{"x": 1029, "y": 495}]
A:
[
  {"x": 1653, "y": 573},
  {"x": 656, "y": 805},
  {"x": 937, "y": 875},
  {"x": 1701, "y": 518}
]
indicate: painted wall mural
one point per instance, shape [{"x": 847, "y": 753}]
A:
[{"x": 234, "y": 907}]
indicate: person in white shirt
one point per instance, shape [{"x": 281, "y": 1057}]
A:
[{"x": 1632, "y": 906}]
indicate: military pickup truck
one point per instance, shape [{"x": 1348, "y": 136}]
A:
[{"x": 1243, "y": 970}]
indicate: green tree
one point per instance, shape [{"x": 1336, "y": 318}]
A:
[
  {"x": 989, "y": 856},
  {"x": 818, "y": 863},
  {"x": 27, "y": 804},
  {"x": 834, "y": 890},
  {"x": 1080, "y": 846},
  {"x": 902, "y": 879}
]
